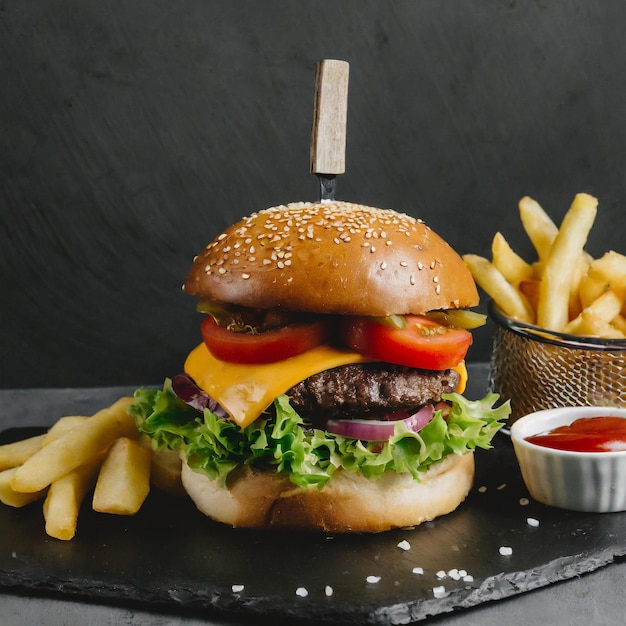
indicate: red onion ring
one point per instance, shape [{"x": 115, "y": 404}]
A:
[{"x": 379, "y": 430}]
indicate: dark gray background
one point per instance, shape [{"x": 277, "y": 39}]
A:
[{"x": 133, "y": 132}]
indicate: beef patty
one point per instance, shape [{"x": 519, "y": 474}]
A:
[{"x": 366, "y": 390}]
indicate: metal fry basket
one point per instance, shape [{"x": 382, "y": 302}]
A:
[{"x": 538, "y": 369}]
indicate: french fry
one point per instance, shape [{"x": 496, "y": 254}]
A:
[
  {"x": 508, "y": 262},
  {"x": 165, "y": 472},
  {"x": 509, "y": 300},
  {"x": 565, "y": 253},
  {"x": 14, "y": 454},
  {"x": 530, "y": 288},
  {"x": 539, "y": 227},
  {"x": 10, "y": 497},
  {"x": 124, "y": 479},
  {"x": 63, "y": 425},
  {"x": 65, "y": 496},
  {"x": 575, "y": 306},
  {"x": 609, "y": 269},
  {"x": 165, "y": 468},
  {"x": 76, "y": 447},
  {"x": 591, "y": 289},
  {"x": 619, "y": 322},
  {"x": 596, "y": 318}
]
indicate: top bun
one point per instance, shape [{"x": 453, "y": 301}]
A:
[{"x": 332, "y": 257}]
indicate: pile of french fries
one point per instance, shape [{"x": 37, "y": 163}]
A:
[
  {"x": 103, "y": 454},
  {"x": 564, "y": 289}
]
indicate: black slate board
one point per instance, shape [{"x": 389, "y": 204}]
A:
[{"x": 171, "y": 556}]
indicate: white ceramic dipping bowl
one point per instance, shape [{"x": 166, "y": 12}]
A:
[{"x": 578, "y": 481}]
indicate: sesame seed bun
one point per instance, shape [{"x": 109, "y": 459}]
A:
[{"x": 332, "y": 257}]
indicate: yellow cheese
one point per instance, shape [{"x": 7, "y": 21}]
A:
[
  {"x": 462, "y": 370},
  {"x": 245, "y": 391}
]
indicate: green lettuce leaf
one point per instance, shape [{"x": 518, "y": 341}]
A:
[{"x": 285, "y": 443}]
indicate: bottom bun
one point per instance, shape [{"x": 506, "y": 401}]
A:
[{"x": 348, "y": 502}]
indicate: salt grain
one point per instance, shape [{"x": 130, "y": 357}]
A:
[
  {"x": 373, "y": 579},
  {"x": 531, "y": 521},
  {"x": 454, "y": 574},
  {"x": 506, "y": 550},
  {"x": 440, "y": 574},
  {"x": 237, "y": 588},
  {"x": 418, "y": 570},
  {"x": 302, "y": 592},
  {"x": 328, "y": 590},
  {"x": 404, "y": 545},
  {"x": 439, "y": 592}
]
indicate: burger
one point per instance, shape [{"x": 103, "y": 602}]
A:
[{"x": 326, "y": 393}]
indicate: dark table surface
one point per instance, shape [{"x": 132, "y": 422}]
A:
[{"x": 568, "y": 570}]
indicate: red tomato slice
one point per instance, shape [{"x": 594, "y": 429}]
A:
[
  {"x": 422, "y": 343},
  {"x": 266, "y": 347}
]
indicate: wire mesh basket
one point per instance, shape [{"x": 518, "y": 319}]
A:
[{"x": 537, "y": 369}]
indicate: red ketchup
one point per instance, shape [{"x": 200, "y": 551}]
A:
[{"x": 587, "y": 434}]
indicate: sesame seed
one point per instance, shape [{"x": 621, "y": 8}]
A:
[
  {"x": 383, "y": 266},
  {"x": 435, "y": 279},
  {"x": 245, "y": 276},
  {"x": 412, "y": 279},
  {"x": 403, "y": 264},
  {"x": 432, "y": 264},
  {"x": 531, "y": 521},
  {"x": 438, "y": 289},
  {"x": 420, "y": 265},
  {"x": 524, "y": 501},
  {"x": 373, "y": 249},
  {"x": 328, "y": 591},
  {"x": 222, "y": 270}
]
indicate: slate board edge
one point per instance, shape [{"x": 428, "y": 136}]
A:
[{"x": 214, "y": 600}]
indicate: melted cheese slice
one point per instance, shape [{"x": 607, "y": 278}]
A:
[
  {"x": 462, "y": 370},
  {"x": 245, "y": 391}
]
